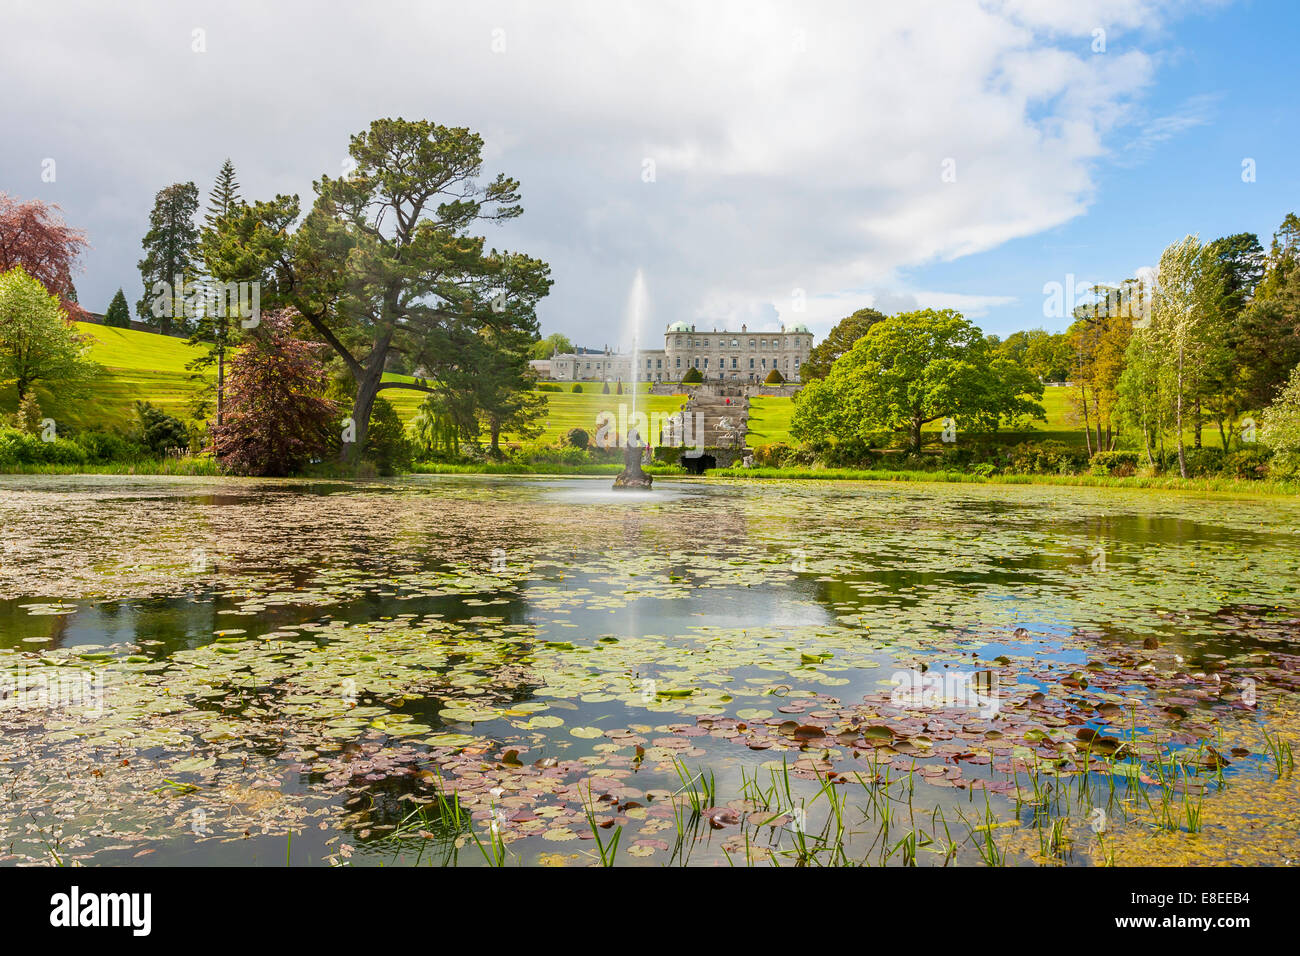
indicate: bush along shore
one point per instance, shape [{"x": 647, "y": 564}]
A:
[{"x": 1251, "y": 469}]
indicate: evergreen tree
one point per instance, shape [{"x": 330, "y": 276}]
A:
[
  {"x": 217, "y": 328},
  {"x": 224, "y": 196},
  {"x": 119, "y": 313},
  {"x": 171, "y": 251}
]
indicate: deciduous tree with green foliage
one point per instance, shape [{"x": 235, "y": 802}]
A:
[
  {"x": 37, "y": 343},
  {"x": 555, "y": 343},
  {"x": 1186, "y": 308},
  {"x": 909, "y": 370},
  {"x": 1280, "y": 428}
]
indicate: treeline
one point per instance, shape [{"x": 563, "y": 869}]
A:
[
  {"x": 1207, "y": 343},
  {"x": 384, "y": 274}
]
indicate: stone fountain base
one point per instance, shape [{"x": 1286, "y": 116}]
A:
[
  {"x": 628, "y": 480},
  {"x": 632, "y": 478}
]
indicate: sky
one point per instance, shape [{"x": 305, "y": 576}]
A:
[{"x": 761, "y": 163}]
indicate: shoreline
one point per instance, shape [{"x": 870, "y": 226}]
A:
[{"x": 206, "y": 468}]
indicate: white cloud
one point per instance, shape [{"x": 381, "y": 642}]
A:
[{"x": 794, "y": 148}]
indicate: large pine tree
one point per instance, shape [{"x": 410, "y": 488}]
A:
[{"x": 171, "y": 251}]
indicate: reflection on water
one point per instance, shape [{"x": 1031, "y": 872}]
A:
[{"x": 336, "y": 660}]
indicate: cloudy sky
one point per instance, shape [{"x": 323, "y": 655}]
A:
[{"x": 761, "y": 162}]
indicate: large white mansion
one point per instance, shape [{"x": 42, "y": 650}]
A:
[{"x": 742, "y": 356}]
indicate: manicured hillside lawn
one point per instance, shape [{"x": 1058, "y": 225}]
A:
[
  {"x": 137, "y": 365},
  {"x": 769, "y": 419},
  {"x": 565, "y": 410}
]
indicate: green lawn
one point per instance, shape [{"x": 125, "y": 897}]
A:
[
  {"x": 137, "y": 365},
  {"x": 769, "y": 419},
  {"x": 565, "y": 410}
]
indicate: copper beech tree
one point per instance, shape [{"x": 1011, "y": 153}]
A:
[
  {"x": 33, "y": 235},
  {"x": 277, "y": 416}
]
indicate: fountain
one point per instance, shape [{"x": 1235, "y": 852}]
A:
[{"x": 632, "y": 477}]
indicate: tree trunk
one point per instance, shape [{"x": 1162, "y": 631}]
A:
[
  {"x": 1087, "y": 428},
  {"x": 1182, "y": 459},
  {"x": 1198, "y": 422},
  {"x": 372, "y": 376},
  {"x": 916, "y": 434},
  {"x": 1146, "y": 441},
  {"x": 1223, "y": 436},
  {"x": 221, "y": 387}
]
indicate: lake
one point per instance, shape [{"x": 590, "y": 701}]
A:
[{"x": 479, "y": 670}]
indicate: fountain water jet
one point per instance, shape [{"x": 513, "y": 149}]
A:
[{"x": 632, "y": 477}]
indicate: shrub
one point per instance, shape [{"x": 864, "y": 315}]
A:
[
  {"x": 386, "y": 442},
  {"x": 160, "y": 432},
  {"x": 20, "y": 448},
  {"x": 605, "y": 390},
  {"x": 774, "y": 377},
  {"x": 693, "y": 376},
  {"x": 577, "y": 389},
  {"x": 577, "y": 438},
  {"x": 564, "y": 455},
  {"x": 1045, "y": 458},
  {"x": 101, "y": 448},
  {"x": 774, "y": 455},
  {"x": 1121, "y": 464},
  {"x": 1203, "y": 462},
  {"x": 548, "y": 387},
  {"x": 1251, "y": 463}
]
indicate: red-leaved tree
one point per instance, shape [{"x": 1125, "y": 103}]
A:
[
  {"x": 33, "y": 235},
  {"x": 277, "y": 416}
]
